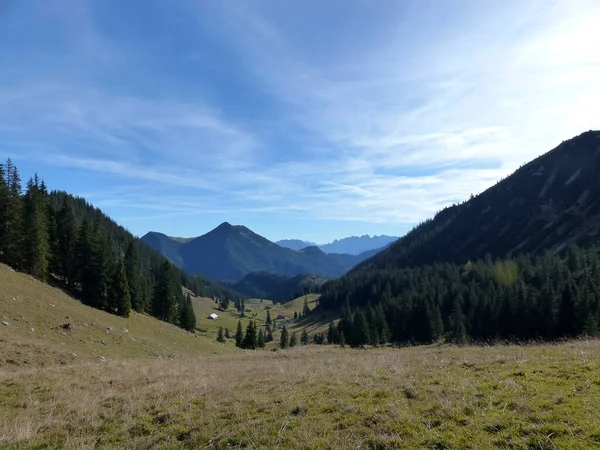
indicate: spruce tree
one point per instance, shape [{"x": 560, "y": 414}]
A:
[
  {"x": 284, "y": 341},
  {"x": 333, "y": 336},
  {"x": 293, "y": 340},
  {"x": 12, "y": 219},
  {"x": 251, "y": 338},
  {"x": 269, "y": 337},
  {"x": 360, "y": 330},
  {"x": 4, "y": 202},
  {"x": 239, "y": 335},
  {"x": 227, "y": 334},
  {"x": 268, "y": 321},
  {"x": 35, "y": 248},
  {"x": 119, "y": 298},
  {"x": 261, "y": 339},
  {"x": 133, "y": 271},
  {"x": 304, "y": 337},
  {"x": 220, "y": 336},
  {"x": 342, "y": 340},
  {"x": 164, "y": 303},
  {"x": 458, "y": 332},
  {"x": 187, "y": 317},
  {"x": 66, "y": 244}
]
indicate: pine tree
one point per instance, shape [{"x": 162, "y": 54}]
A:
[
  {"x": 187, "y": 317},
  {"x": 304, "y": 337},
  {"x": 220, "y": 336},
  {"x": 251, "y": 338},
  {"x": 360, "y": 330},
  {"x": 227, "y": 334},
  {"x": 269, "y": 337},
  {"x": 458, "y": 332},
  {"x": 133, "y": 271},
  {"x": 239, "y": 335},
  {"x": 261, "y": 339},
  {"x": 293, "y": 340},
  {"x": 333, "y": 336},
  {"x": 268, "y": 321},
  {"x": 66, "y": 244},
  {"x": 342, "y": 340},
  {"x": 284, "y": 341},
  {"x": 4, "y": 203},
  {"x": 11, "y": 217},
  {"x": 164, "y": 303},
  {"x": 119, "y": 298},
  {"x": 35, "y": 248},
  {"x": 295, "y": 315}
]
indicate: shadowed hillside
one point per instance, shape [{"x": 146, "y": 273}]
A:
[{"x": 547, "y": 204}]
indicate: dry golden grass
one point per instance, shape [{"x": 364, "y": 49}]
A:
[
  {"x": 33, "y": 337},
  {"x": 514, "y": 397}
]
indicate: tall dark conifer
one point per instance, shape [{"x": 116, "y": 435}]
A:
[
  {"x": 133, "y": 271},
  {"x": 65, "y": 253},
  {"x": 164, "y": 301},
  {"x": 34, "y": 226},
  {"x": 187, "y": 317},
  {"x": 239, "y": 335},
  {"x": 119, "y": 299},
  {"x": 11, "y": 217}
]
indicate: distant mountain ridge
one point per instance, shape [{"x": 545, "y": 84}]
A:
[
  {"x": 547, "y": 204},
  {"x": 294, "y": 244},
  {"x": 230, "y": 252},
  {"x": 353, "y": 245}
]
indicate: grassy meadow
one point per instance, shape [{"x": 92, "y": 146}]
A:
[
  {"x": 115, "y": 383},
  {"x": 512, "y": 397}
]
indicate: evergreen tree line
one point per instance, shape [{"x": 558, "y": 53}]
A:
[
  {"x": 547, "y": 297},
  {"x": 62, "y": 239}
]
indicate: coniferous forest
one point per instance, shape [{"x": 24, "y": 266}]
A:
[
  {"x": 63, "y": 240},
  {"x": 547, "y": 297}
]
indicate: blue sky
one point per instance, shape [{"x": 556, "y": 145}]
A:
[{"x": 300, "y": 119}]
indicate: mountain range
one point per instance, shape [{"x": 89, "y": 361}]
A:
[
  {"x": 229, "y": 253},
  {"x": 353, "y": 245}
]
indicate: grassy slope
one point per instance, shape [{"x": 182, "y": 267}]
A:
[
  {"x": 26, "y": 304},
  {"x": 517, "y": 397}
]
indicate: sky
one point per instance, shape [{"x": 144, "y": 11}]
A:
[{"x": 299, "y": 118}]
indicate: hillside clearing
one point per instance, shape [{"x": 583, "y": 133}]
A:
[{"x": 516, "y": 397}]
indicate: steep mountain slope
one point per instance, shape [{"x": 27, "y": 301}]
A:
[
  {"x": 280, "y": 288},
  {"x": 230, "y": 252},
  {"x": 169, "y": 247},
  {"x": 545, "y": 205},
  {"x": 294, "y": 244},
  {"x": 356, "y": 245}
]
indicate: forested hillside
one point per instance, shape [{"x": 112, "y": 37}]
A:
[
  {"x": 545, "y": 297},
  {"x": 503, "y": 265},
  {"x": 64, "y": 240}
]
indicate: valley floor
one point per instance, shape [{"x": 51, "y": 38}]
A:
[{"x": 538, "y": 396}]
